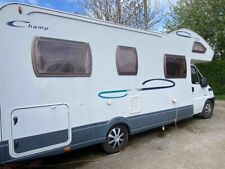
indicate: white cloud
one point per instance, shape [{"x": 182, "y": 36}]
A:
[{"x": 164, "y": 2}]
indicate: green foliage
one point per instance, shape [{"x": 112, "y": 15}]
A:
[
  {"x": 215, "y": 73},
  {"x": 220, "y": 97},
  {"x": 206, "y": 17}
]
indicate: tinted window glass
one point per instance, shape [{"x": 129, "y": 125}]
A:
[
  {"x": 55, "y": 57},
  {"x": 175, "y": 66},
  {"x": 198, "y": 47},
  {"x": 127, "y": 63},
  {"x": 194, "y": 76}
]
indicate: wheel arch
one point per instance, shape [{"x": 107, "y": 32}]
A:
[
  {"x": 212, "y": 100},
  {"x": 119, "y": 121}
]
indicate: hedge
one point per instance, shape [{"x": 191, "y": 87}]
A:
[{"x": 215, "y": 73}]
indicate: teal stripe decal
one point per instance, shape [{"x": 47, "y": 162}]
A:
[{"x": 108, "y": 94}]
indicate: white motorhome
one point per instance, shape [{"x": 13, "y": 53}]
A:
[{"x": 68, "y": 82}]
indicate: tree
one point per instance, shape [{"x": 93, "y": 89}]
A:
[
  {"x": 134, "y": 13},
  {"x": 146, "y": 14},
  {"x": 206, "y": 17}
]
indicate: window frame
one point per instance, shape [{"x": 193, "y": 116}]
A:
[
  {"x": 117, "y": 61},
  {"x": 35, "y": 61},
  {"x": 165, "y": 67}
]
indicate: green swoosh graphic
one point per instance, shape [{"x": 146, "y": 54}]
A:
[{"x": 106, "y": 94}]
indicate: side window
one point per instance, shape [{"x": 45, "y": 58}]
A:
[
  {"x": 198, "y": 47},
  {"x": 195, "y": 76},
  {"x": 54, "y": 57},
  {"x": 126, "y": 60},
  {"x": 175, "y": 66}
]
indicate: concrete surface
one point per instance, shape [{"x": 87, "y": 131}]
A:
[{"x": 194, "y": 144}]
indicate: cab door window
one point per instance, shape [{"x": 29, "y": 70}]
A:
[{"x": 195, "y": 76}]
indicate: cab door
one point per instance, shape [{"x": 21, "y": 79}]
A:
[{"x": 198, "y": 93}]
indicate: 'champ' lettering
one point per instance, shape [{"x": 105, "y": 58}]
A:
[{"x": 26, "y": 24}]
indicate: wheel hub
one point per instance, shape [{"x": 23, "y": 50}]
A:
[
  {"x": 116, "y": 137},
  {"x": 208, "y": 108}
]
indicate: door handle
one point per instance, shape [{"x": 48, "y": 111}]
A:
[
  {"x": 193, "y": 89},
  {"x": 15, "y": 120}
]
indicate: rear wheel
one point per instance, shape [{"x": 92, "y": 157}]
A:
[
  {"x": 116, "y": 139},
  {"x": 207, "y": 110}
]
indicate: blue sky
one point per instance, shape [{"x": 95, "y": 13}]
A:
[
  {"x": 72, "y": 6},
  {"x": 62, "y": 5},
  {"x": 69, "y": 5}
]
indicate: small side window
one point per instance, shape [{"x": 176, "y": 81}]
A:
[
  {"x": 54, "y": 57},
  {"x": 198, "y": 47},
  {"x": 175, "y": 66},
  {"x": 126, "y": 60}
]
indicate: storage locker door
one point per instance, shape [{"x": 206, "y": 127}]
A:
[{"x": 39, "y": 129}]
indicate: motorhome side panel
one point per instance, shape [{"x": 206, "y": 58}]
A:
[
  {"x": 42, "y": 91},
  {"x": 45, "y": 91},
  {"x": 92, "y": 103},
  {"x": 2, "y": 144}
]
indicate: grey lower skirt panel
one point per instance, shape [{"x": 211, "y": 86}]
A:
[
  {"x": 145, "y": 122},
  {"x": 40, "y": 141},
  {"x": 91, "y": 134},
  {"x": 3, "y": 148}
]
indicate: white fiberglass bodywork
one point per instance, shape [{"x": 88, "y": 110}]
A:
[{"x": 86, "y": 100}]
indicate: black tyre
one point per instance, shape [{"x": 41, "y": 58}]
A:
[
  {"x": 207, "y": 110},
  {"x": 116, "y": 139}
]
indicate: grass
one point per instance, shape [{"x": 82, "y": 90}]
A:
[{"x": 220, "y": 97}]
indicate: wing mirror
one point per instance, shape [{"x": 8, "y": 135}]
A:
[{"x": 204, "y": 82}]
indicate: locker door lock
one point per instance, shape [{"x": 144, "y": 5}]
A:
[{"x": 15, "y": 120}]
